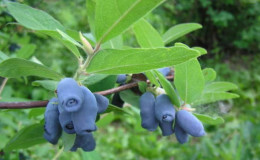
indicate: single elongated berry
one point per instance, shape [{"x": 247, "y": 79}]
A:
[
  {"x": 84, "y": 119},
  {"x": 86, "y": 142},
  {"x": 147, "y": 111},
  {"x": 165, "y": 114},
  {"x": 181, "y": 136},
  {"x": 102, "y": 103},
  {"x": 70, "y": 95},
  {"x": 121, "y": 78},
  {"x": 66, "y": 122},
  {"x": 52, "y": 128},
  {"x": 165, "y": 71},
  {"x": 190, "y": 124}
]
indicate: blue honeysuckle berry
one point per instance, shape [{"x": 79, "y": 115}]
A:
[
  {"x": 66, "y": 122},
  {"x": 52, "y": 128},
  {"x": 70, "y": 95},
  {"x": 121, "y": 78},
  {"x": 102, "y": 103},
  {"x": 165, "y": 114},
  {"x": 86, "y": 142},
  {"x": 190, "y": 124},
  {"x": 181, "y": 136},
  {"x": 165, "y": 71},
  {"x": 84, "y": 119},
  {"x": 147, "y": 111}
]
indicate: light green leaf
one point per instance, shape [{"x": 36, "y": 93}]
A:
[
  {"x": 68, "y": 38},
  {"x": 93, "y": 155},
  {"x": 179, "y": 30},
  {"x": 33, "y": 18},
  {"x": 113, "y": 17},
  {"x": 91, "y": 6},
  {"x": 130, "y": 97},
  {"x": 3, "y": 56},
  {"x": 214, "y": 96},
  {"x": 26, "y": 51},
  {"x": 94, "y": 78},
  {"x": 209, "y": 74},
  {"x": 179, "y": 44},
  {"x": 201, "y": 50},
  {"x": 47, "y": 84},
  {"x": 35, "y": 112},
  {"x": 142, "y": 86},
  {"x": 219, "y": 87},
  {"x": 115, "y": 43},
  {"x": 152, "y": 78},
  {"x": 66, "y": 43},
  {"x": 106, "y": 120},
  {"x": 167, "y": 86},
  {"x": 68, "y": 140},
  {"x": 113, "y": 61},
  {"x": 26, "y": 137},
  {"x": 189, "y": 80},
  {"x": 146, "y": 35},
  {"x": 209, "y": 120},
  {"x": 16, "y": 67}
]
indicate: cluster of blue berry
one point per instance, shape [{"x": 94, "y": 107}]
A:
[
  {"x": 160, "y": 112},
  {"x": 74, "y": 111}
]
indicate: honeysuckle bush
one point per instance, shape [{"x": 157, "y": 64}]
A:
[{"x": 102, "y": 55}]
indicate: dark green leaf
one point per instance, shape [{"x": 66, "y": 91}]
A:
[
  {"x": 26, "y": 137},
  {"x": 142, "y": 86},
  {"x": 113, "y": 61},
  {"x": 15, "y": 68},
  {"x": 130, "y": 97}
]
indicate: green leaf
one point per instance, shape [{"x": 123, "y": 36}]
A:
[
  {"x": 16, "y": 67},
  {"x": 167, "y": 86},
  {"x": 113, "y": 108},
  {"x": 33, "y": 18},
  {"x": 47, "y": 84},
  {"x": 66, "y": 43},
  {"x": 113, "y": 17},
  {"x": 106, "y": 120},
  {"x": 68, "y": 140},
  {"x": 115, "y": 43},
  {"x": 26, "y": 51},
  {"x": 209, "y": 74},
  {"x": 94, "y": 78},
  {"x": 201, "y": 50},
  {"x": 179, "y": 44},
  {"x": 179, "y": 30},
  {"x": 130, "y": 97},
  {"x": 209, "y": 120},
  {"x": 152, "y": 78},
  {"x": 142, "y": 86},
  {"x": 91, "y": 6},
  {"x": 3, "y": 56},
  {"x": 219, "y": 87},
  {"x": 35, "y": 112},
  {"x": 113, "y": 61},
  {"x": 146, "y": 35},
  {"x": 68, "y": 38},
  {"x": 189, "y": 80},
  {"x": 214, "y": 96},
  {"x": 107, "y": 83},
  {"x": 27, "y": 137}
]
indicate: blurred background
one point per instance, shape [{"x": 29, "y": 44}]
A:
[{"x": 230, "y": 33}]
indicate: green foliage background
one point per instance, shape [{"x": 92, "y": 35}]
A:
[{"x": 230, "y": 34}]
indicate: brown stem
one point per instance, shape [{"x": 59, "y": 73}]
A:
[{"x": 38, "y": 104}]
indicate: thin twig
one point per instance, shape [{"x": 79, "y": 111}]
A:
[
  {"x": 38, "y": 104},
  {"x": 3, "y": 85}
]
